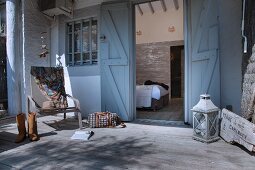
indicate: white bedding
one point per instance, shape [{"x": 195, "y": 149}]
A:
[{"x": 144, "y": 94}]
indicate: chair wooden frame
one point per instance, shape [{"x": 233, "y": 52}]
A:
[{"x": 33, "y": 105}]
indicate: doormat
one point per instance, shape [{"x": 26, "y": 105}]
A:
[{"x": 82, "y": 135}]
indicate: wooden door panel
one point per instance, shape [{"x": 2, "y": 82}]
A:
[
  {"x": 115, "y": 54},
  {"x": 205, "y": 75}
]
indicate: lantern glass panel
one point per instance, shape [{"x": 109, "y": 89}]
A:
[
  {"x": 212, "y": 123},
  {"x": 200, "y": 124}
]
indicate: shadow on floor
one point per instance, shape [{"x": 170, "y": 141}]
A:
[
  {"x": 65, "y": 124},
  {"x": 161, "y": 123},
  {"x": 244, "y": 149},
  {"x": 99, "y": 153},
  {"x": 7, "y": 141}
]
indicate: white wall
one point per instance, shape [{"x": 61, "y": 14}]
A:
[
  {"x": 82, "y": 82},
  {"x": 154, "y": 27},
  {"x": 87, "y": 90},
  {"x": 230, "y": 15},
  {"x": 34, "y": 23}
]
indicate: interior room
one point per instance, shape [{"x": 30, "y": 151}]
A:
[{"x": 160, "y": 60}]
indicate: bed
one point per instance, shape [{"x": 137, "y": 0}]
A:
[{"x": 152, "y": 97}]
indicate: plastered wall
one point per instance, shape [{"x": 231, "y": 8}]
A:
[{"x": 155, "y": 27}]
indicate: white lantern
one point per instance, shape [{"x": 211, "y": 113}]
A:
[{"x": 205, "y": 120}]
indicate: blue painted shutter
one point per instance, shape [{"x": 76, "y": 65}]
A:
[
  {"x": 204, "y": 73},
  {"x": 116, "y": 51}
]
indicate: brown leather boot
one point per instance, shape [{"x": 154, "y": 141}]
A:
[
  {"x": 32, "y": 127},
  {"x": 20, "y": 119}
]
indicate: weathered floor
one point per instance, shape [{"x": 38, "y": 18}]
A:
[
  {"x": 136, "y": 147},
  {"x": 172, "y": 112}
]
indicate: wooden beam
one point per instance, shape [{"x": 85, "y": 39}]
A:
[
  {"x": 139, "y": 9},
  {"x": 135, "y": 2},
  {"x": 176, "y": 4},
  {"x": 151, "y": 7},
  {"x": 163, "y": 4}
]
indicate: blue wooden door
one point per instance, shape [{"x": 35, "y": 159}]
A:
[
  {"x": 203, "y": 61},
  {"x": 116, "y": 51}
]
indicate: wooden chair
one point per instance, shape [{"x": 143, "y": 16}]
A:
[{"x": 48, "y": 94}]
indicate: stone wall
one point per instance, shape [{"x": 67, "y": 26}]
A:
[
  {"x": 248, "y": 63},
  {"x": 153, "y": 62},
  {"x": 249, "y": 31},
  {"x": 249, "y": 89}
]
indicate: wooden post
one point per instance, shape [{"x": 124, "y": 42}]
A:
[{"x": 13, "y": 63}]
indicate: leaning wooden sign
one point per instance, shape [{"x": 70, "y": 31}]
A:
[{"x": 237, "y": 129}]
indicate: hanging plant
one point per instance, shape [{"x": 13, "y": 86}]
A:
[{"x": 44, "y": 48}]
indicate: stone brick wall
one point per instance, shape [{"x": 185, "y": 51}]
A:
[
  {"x": 248, "y": 64},
  {"x": 249, "y": 31},
  {"x": 153, "y": 62},
  {"x": 249, "y": 89}
]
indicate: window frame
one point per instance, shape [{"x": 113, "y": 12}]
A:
[{"x": 70, "y": 54}]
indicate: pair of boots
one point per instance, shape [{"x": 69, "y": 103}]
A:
[{"x": 32, "y": 127}]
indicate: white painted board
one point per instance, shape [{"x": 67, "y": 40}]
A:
[{"x": 237, "y": 129}]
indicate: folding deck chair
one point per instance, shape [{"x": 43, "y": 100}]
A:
[{"x": 48, "y": 94}]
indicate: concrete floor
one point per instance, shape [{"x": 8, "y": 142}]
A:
[
  {"x": 172, "y": 112},
  {"x": 138, "y": 146}
]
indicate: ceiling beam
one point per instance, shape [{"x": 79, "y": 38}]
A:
[
  {"x": 151, "y": 7},
  {"x": 176, "y": 4},
  {"x": 163, "y": 4},
  {"x": 139, "y": 9},
  {"x": 135, "y": 2}
]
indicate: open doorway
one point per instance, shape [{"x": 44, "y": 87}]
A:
[
  {"x": 177, "y": 74},
  {"x": 3, "y": 75},
  {"x": 160, "y": 60}
]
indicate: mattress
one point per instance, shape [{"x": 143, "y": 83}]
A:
[{"x": 144, "y": 94}]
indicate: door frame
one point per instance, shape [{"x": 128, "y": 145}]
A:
[{"x": 187, "y": 52}]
